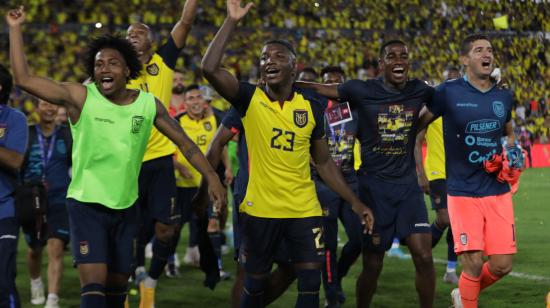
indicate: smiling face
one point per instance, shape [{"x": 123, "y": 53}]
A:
[
  {"x": 277, "y": 64},
  {"x": 47, "y": 112},
  {"x": 479, "y": 61},
  {"x": 110, "y": 71},
  {"x": 139, "y": 35},
  {"x": 333, "y": 77},
  {"x": 194, "y": 103},
  {"x": 394, "y": 64}
]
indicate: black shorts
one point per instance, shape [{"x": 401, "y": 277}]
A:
[
  {"x": 399, "y": 210},
  {"x": 262, "y": 238},
  {"x": 157, "y": 191},
  {"x": 185, "y": 195},
  {"x": 438, "y": 194},
  {"x": 57, "y": 227},
  {"x": 103, "y": 235}
]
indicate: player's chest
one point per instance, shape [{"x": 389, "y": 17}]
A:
[{"x": 477, "y": 116}]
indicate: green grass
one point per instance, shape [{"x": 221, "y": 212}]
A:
[{"x": 396, "y": 284}]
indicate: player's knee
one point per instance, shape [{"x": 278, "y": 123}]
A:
[
  {"x": 309, "y": 280},
  {"x": 472, "y": 263},
  {"x": 165, "y": 232},
  {"x": 372, "y": 261},
  {"x": 501, "y": 269},
  {"x": 213, "y": 225},
  {"x": 35, "y": 252},
  {"x": 255, "y": 285}
]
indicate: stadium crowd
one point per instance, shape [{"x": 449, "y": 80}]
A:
[{"x": 340, "y": 32}]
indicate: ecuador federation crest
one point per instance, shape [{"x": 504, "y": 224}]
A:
[
  {"x": 153, "y": 69},
  {"x": 84, "y": 248},
  {"x": 137, "y": 121},
  {"x": 498, "y": 108},
  {"x": 300, "y": 118},
  {"x": 2, "y": 132}
]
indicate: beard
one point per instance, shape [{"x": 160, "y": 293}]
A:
[{"x": 178, "y": 89}]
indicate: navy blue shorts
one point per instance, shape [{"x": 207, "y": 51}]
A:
[
  {"x": 262, "y": 237},
  {"x": 157, "y": 191},
  {"x": 438, "y": 194},
  {"x": 103, "y": 235},
  {"x": 399, "y": 211},
  {"x": 57, "y": 227},
  {"x": 9, "y": 229},
  {"x": 185, "y": 195}
]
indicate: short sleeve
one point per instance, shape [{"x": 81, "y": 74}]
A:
[
  {"x": 17, "y": 133},
  {"x": 169, "y": 53},
  {"x": 436, "y": 105},
  {"x": 242, "y": 100},
  {"x": 318, "y": 114},
  {"x": 348, "y": 91},
  {"x": 232, "y": 120}
]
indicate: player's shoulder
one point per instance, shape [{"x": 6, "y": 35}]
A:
[
  {"x": 14, "y": 115},
  {"x": 316, "y": 100},
  {"x": 180, "y": 116}
]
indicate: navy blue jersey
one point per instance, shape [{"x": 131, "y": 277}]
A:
[
  {"x": 473, "y": 123},
  {"x": 232, "y": 121},
  {"x": 57, "y": 168},
  {"x": 388, "y": 120}
]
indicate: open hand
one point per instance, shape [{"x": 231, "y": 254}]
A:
[
  {"x": 365, "y": 215},
  {"x": 235, "y": 11},
  {"x": 16, "y": 17}
]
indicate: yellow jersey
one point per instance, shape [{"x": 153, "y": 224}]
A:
[
  {"x": 279, "y": 142},
  {"x": 435, "y": 153},
  {"x": 201, "y": 132},
  {"x": 156, "y": 78}
]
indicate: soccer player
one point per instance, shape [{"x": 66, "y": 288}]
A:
[
  {"x": 284, "y": 126},
  {"x": 341, "y": 141},
  {"x": 476, "y": 114},
  {"x": 388, "y": 108},
  {"x": 431, "y": 178},
  {"x": 200, "y": 123},
  {"x": 13, "y": 141},
  {"x": 157, "y": 187},
  {"x": 47, "y": 164},
  {"x": 110, "y": 125},
  {"x": 177, "y": 101}
]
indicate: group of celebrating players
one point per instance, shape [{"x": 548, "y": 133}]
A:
[{"x": 296, "y": 177}]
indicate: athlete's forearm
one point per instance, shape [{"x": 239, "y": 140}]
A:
[
  {"x": 213, "y": 56},
  {"x": 17, "y": 56},
  {"x": 183, "y": 26},
  {"x": 10, "y": 159},
  {"x": 199, "y": 162},
  {"x": 328, "y": 90},
  {"x": 333, "y": 178}
]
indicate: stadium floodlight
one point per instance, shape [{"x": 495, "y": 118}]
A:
[
  {"x": 316, "y": 4},
  {"x": 98, "y": 25}
]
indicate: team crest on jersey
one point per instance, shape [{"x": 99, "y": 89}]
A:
[
  {"x": 498, "y": 108},
  {"x": 300, "y": 118},
  {"x": 84, "y": 248},
  {"x": 207, "y": 126},
  {"x": 137, "y": 121},
  {"x": 463, "y": 238},
  {"x": 153, "y": 69},
  {"x": 2, "y": 132}
]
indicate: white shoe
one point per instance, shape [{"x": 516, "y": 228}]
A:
[
  {"x": 52, "y": 302},
  {"x": 450, "y": 278},
  {"x": 192, "y": 256},
  {"x": 455, "y": 297},
  {"x": 37, "y": 293}
]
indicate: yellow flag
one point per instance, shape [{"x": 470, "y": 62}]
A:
[{"x": 501, "y": 23}]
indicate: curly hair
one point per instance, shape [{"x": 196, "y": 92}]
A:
[{"x": 118, "y": 43}]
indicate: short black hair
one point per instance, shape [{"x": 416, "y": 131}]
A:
[
  {"x": 309, "y": 69},
  {"x": 7, "y": 84},
  {"x": 191, "y": 88},
  {"x": 466, "y": 45},
  {"x": 285, "y": 43},
  {"x": 382, "y": 50},
  {"x": 118, "y": 43},
  {"x": 333, "y": 69}
]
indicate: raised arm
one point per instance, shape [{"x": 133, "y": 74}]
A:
[
  {"x": 332, "y": 176},
  {"x": 183, "y": 26},
  {"x": 221, "y": 79},
  {"x": 171, "y": 129},
  {"x": 72, "y": 95},
  {"x": 328, "y": 90}
]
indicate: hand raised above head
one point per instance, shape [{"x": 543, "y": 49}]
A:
[
  {"x": 16, "y": 16},
  {"x": 235, "y": 11}
]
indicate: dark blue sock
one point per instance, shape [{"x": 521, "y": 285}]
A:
[
  {"x": 116, "y": 296},
  {"x": 309, "y": 282},
  {"x": 92, "y": 296},
  {"x": 253, "y": 292},
  {"x": 161, "y": 252},
  {"x": 437, "y": 232},
  {"x": 451, "y": 255}
]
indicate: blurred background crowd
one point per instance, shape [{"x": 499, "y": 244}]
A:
[{"x": 325, "y": 32}]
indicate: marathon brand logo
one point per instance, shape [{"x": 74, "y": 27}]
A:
[
  {"x": 300, "y": 118},
  {"x": 466, "y": 105},
  {"x": 153, "y": 69},
  {"x": 498, "y": 108},
  {"x": 84, "y": 248},
  {"x": 482, "y": 126},
  {"x": 137, "y": 121}
]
